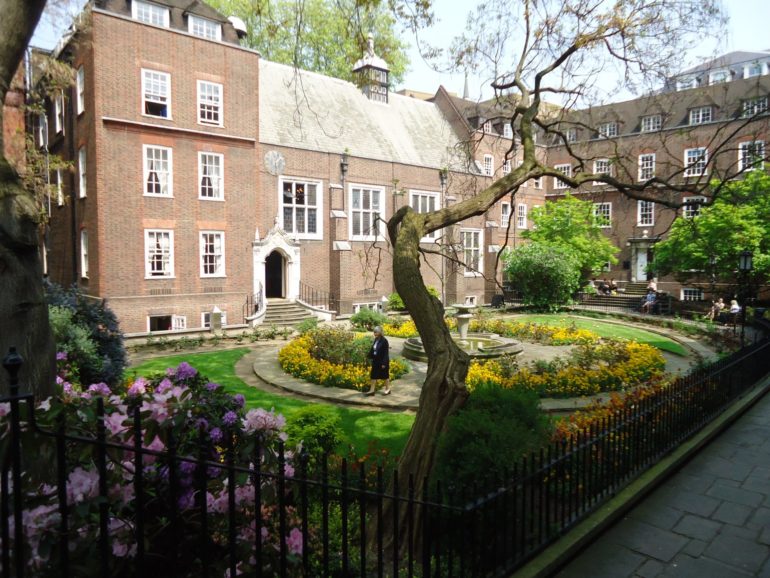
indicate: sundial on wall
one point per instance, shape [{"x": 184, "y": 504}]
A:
[{"x": 274, "y": 163}]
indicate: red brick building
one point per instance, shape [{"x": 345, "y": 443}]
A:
[{"x": 207, "y": 179}]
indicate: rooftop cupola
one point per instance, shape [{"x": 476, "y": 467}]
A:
[{"x": 372, "y": 72}]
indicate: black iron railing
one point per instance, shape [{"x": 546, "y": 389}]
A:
[
  {"x": 318, "y": 298},
  {"x": 254, "y": 304},
  {"x": 325, "y": 518}
]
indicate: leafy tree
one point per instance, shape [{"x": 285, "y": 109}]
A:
[
  {"x": 739, "y": 219},
  {"x": 570, "y": 223},
  {"x": 545, "y": 274},
  {"x": 320, "y": 35}
]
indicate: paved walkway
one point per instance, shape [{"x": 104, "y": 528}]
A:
[{"x": 710, "y": 520}]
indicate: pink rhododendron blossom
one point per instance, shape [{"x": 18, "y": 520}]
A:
[
  {"x": 294, "y": 541},
  {"x": 5, "y": 409},
  {"x": 139, "y": 387},
  {"x": 100, "y": 389},
  {"x": 114, "y": 423},
  {"x": 82, "y": 484},
  {"x": 164, "y": 386},
  {"x": 185, "y": 371},
  {"x": 288, "y": 470},
  {"x": 261, "y": 420}
]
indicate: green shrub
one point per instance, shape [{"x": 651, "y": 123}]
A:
[
  {"x": 307, "y": 325},
  {"x": 336, "y": 345},
  {"x": 545, "y": 275},
  {"x": 85, "y": 363},
  {"x": 486, "y": 437},
  {"x": 368, "y": 319},
  {"x": 395, "y": 303},
  {"x": 317, "y": 427}
]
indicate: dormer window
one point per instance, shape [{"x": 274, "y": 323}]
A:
[
  {"x": 686, "y": 82},
  {"x": 571, "y": 135},
  {"x": 753, "y": 106},
  {"x": 753, "y": 69},
  {"x": 608, "y": 129},
  {"x": 487, "y": 127},
  {"x": 204, "y": 27},
  {"x": 149, "y": 13},
  {"x": 652, "y": 123},
  {"x": 507, "y": 130},
  {"x": 719, "y": 76},
  {"x": 701, "y": 115}
]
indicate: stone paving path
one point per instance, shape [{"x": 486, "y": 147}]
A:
[{"x": 710, "y": 520}]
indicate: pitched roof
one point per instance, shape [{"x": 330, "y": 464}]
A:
[{"x": 307, "y": 110}]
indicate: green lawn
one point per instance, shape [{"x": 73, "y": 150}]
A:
[
  {"x": 608, "y": 330},
  {"x": 360, "y": 427}
]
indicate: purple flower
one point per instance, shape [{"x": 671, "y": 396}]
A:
[
  {"x": 138, "y": 387},
  {"x": 202, "y": 423},
  {"x": 164, "y": 386},
  {"x": 61, "y": 356},
  {"x": 230, "y": 418},
  {"x": 185, "y": 371},
  {"x": 211, "y": 386},
  {"x": 216, "y": 435},
  {"x": 100, "y": 389},
  {"x": 186, "y": 500},
  {"x": 239, "y": 399},
  {"x": 187, "y": 468}
]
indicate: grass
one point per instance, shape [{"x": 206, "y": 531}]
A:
[
  {"x": 604, "y": 329},
  {"x": 360, "y": 428}
]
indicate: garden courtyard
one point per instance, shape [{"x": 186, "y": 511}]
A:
[{"x": 383, "y": 422}]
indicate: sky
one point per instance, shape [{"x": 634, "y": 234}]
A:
[{"x": 746, "y": 30}]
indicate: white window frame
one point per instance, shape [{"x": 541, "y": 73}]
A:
[
  {"x": 178, "y": 322},
  {"x": 375, "y": 216},
  {"x": 80, "y": 89},
  {"x": 652, "y": 123},
  {"x": 217, "y": 177},
  {"x": 58, "y": 112},
  {"x": 645, "y": 213},
  {"x": 566, "y": 170},
  {"x": 691, "y": 294},
  {"x": 608, "y": 129},
  {"x": 505, "y": 214},
  {"x": 84, "y": 253},
  {"x": 603, "y": 209},
  {"x": 421, "y": 202},
  {"x": 753, "y": 69},
  {"x": 691, "y": 206},
  {"x": 719, "y": 76},
  {"x": 521, "y": 216},
  {"x": 42, "y": 130},
  {"x": 209, "y": 105},
  {"x": 686, "y": 82},
  {"x": 158, "y": 15},
  {"x": 488, "y": 165},
  {"x": 701, "y": 115},
  {"x": 168, "y": 270},
  {"x": 204, "y": 27},
  {"x": 169, "y": 174},
  {"x": 602, "y": 167},
  {"x": 507, "y": 130},
  {"x": 754, "y": 106},
  {"x": 487, "y": 127},
  {"x": 162, "y": 97},
  {"x": 305, "y": 209},
  {"x": 206, "y": 319},
  {"x": 646, "y": 166},
  {"x": 537, "y": 183},
  {"x": 82, "y": 173},
  {"x": 507, "y": 167},
  {"x": 219, "y": 258},
  {"x": 470, "y": 271},
  {"x": 749, "y": 149},
  {"x": 371, "y": 305},
  {"x": 570, "y": 134},
  {"x": 59, "y": 187},
  {"x": 696, "y": 162}
]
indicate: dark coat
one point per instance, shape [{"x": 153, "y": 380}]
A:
[{"x": 380, "y": 356}]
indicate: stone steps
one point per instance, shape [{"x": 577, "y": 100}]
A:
[{"x": 283, "y": 313}]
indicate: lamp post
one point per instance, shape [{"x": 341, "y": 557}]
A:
[
  {"x": 442, "y": 178},
  {"x": 745, "y": 265}
]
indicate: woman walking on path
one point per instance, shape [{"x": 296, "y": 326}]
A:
[{"x": 380, "y": 357}]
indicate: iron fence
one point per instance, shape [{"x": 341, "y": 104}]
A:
[
  {"x": 318, "y": 298},
  {"x": 328, "y": 517}
]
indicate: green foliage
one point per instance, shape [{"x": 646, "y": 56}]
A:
[
  {"x": 325, "y": 37},
  {"x": 336, "y": 345},
  {"x": 545, "y": 275},
  {"x": 74, "y": 340},
  {"x": 484, "y": 439},
  {"x": 317, "y": 427},
  {"x": 307, "y": 325},
  {"x": 395, "y": 303},
  {"x": 739, "y": 219},
  {"x": 368, "y": 319},
  {"x": 569, "y": 223}
]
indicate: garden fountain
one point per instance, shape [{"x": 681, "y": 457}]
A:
[{"x": 477, "y": 345}]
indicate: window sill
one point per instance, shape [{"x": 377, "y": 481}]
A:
[
  {"x": 145, "y": 115},
  {"x": 216, "y": 199},
  {"x": 158, "y": 277},
  {"x": 152, "y": 196},
  {"x": 219, "y": 276},
  {"x": 217, "y": 125}
]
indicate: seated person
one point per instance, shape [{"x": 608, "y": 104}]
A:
[
  {"x": 613, "y": 287},
  {"x": 734, "y": 307},
  {"x": 653, "y": 285},
  {"x": 648, "y": 303},
  {"x": 716, "y": 308},
  {"x": 601, "y": 288}
]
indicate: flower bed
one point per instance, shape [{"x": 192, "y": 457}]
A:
[
  {"x": 610, "y": 366},
  {"x": 545, "y": 334},
  {"x": 304, "y": 359}
]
